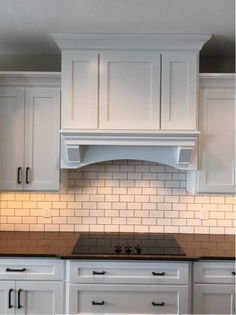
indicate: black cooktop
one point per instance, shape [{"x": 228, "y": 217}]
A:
[{"x": 127, "y": 244}]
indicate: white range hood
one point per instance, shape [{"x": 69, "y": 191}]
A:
[
  {"x": 171, "y": 148},
  {"x": 129, "y": 96}
]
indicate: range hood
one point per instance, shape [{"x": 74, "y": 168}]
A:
[
  {"x": 172, "y": 148},
  {"x": 104, "y": 75}
]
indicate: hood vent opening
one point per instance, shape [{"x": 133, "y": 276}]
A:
[{"x": 176, "y": 150}]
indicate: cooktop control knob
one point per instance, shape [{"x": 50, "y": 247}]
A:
[
  {"x": 138, "y": 249},
  {"x": 118, "y": 249},
  {"x": 128, "y": 249}
]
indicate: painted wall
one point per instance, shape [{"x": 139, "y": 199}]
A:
[
  {"x": 120, "y": 196},
  {"x": 51, "y": 62}
]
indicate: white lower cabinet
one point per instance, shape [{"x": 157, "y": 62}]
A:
[
  {"x": 36, "y": 296},
  {"x": 6, "y": 289},
  {"x": 111, "y": 288},
  {"x": 214, "y": 299},
  {"x": 214, "y": 287},
  {"x": 127, "y": 299},
  {"x": 31, "y": 297}
]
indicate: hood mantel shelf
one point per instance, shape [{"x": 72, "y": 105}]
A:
[{"x": 174, "y": 148}]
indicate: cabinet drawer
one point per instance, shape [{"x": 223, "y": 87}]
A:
[
  {"x": 128, "y": 272},
  {"x": 214, "y": 272},
  {"x": 31, "y": 269},
  {"x": 129, "y": 299}
]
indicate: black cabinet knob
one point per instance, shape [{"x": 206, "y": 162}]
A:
[
  {"x": 138, "y": 249},
  {"x": 128, "y": 249},
  {"x": 118, "y": 249}
]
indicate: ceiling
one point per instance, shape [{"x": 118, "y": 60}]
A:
[{"x": 25, "y": 25}]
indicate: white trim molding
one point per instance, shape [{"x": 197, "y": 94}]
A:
[
  {"x": 89, "y": 41},
  {"x": 29, "y": 78}
]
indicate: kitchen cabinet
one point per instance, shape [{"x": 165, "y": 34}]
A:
[
  {"x": 24, "y": 290},
  {"x": 216, "y": 150},
  {"x": 129, "y": 82},
  {"x": 6, "y": 289},
  {"x": 112, "y": 90},
  {"x": 29, "y": 131},
  {"x": 214, "y": 287},
  {"x": 127, "y": 287}
]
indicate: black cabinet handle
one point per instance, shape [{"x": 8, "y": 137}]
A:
[
  {"x": 98, "y": 303},
  {"x": 233, "y": 273},
  {"x": 99, "y": 272},
  {"x": 9, "y": 298},
  {"x": 27, "y": 177},
  {"x": 19, "y": 304},
  {"x": 158, "y": 304},
  {"x": 158, "y": 273},
  {"x": 19, "y": 175},
  {"x": 15, "y": 270}
]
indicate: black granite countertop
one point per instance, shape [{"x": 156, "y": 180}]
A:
[{"x": 61, "y": 245}]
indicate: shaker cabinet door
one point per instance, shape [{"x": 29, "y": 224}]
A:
[
  {"x": 129, "y": 97},
  {"x": 179, "y": 91},
  {"x": 214, "y": 299},
  {"x": 39, "y": 298},
  {"x": 11, "y": 138},
  {"x": 7, "y": 297},
  {"x": 42, "y": 115},
  {"x": 79, "y": 90},
  {"x": 217, "y": 141}
]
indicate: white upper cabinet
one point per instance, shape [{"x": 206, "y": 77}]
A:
[
  {"x": 42, "y": 116},
  {"x": 179, "y": 91},
  {"x": 129, "y": 95},
  {"x": 11, "y": 137},
  {"x": 29, "y": 131},
  {"x": 217, "y": 140},
  {"x": 79, "y": 90},
  {"x": 129, "y": 82}
]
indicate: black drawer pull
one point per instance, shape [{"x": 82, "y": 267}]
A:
[
  {"x": 27, "y": 176},
  {"x": 98, "y": 303},
  {"x": 158, "y": 273},
  {"x": 15, "y": 270},
  {"x": 19, "y": 304},
  {"x": 99, "y": 272},
  {"x": 233, "y": 273},
  {"x": 158, "y": 304},
  {"x": 9, "y": 298},
  {"x": 19, "y": 175}
]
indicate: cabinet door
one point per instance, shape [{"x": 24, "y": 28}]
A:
[
  {"x": 42, "y": 115},
  {"x": 39, "y": 297},
  {"x": 79, "y": 89},
  {"x": 217, "y": 141},
  {"x": 214, "y": 299},
  {"x": 7, "y": 297},
  {"x": 179, "y": 91},
  {"x": 129, "y": 91},
  {"x": 127, "y": 299},
  {"x": 11, "y": 138}
]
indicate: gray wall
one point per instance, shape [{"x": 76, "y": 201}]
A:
[{"x": 51, "y": 62}]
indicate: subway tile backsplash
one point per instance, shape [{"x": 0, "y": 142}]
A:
[{"x": 119, "y": 196}]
